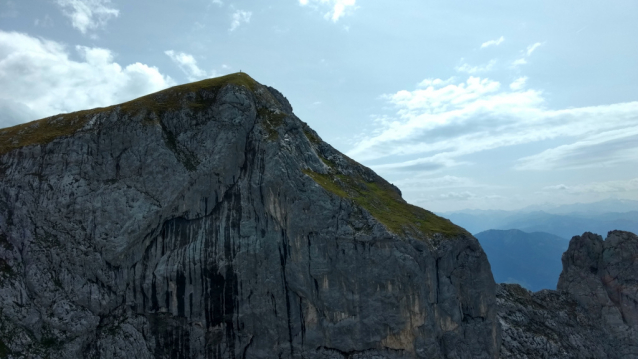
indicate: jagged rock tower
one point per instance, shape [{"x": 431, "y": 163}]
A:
[{"x": 208, "y": 221}]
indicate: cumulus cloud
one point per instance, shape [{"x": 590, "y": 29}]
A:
[
  {"x": 338, "y": 8},
  {"x": 188, "y": 65},
  {"x": 38, "y": 78},
  {"x": 88, "y": 15},
  {"x": 240, "y": 17},
  {"x": 464, "y": 67},
  {"x": 443, "y": 122},
  {"x": 492, "y": 42}
]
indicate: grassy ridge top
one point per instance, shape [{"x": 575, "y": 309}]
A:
[
  {"x": 386, "y": 205},
  {"x": 43, "y": 131}
]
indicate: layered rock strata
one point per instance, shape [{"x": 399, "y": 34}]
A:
[
  {"x": 208, "y": 221},
  {"x": 592, "y": 315}
]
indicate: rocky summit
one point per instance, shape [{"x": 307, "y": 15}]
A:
[{"x": 208, "y": 221}]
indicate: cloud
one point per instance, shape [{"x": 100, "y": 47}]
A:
[
  {"x": 526, "y": 54},
  {"x": 597, "y": 187},
  {"x": 492, "y": 42},
  {"x": 519, "y": 83},
  {"x": 603, "y": 149},
  {"x": 436, "y": 126},
  {"x": 38, "y": 78},
  {"x": 476, "y": 69},
  {"x": 519, "y": 62},
  {"x": 458, "y": 196},
  {"x": 435, "y": 82},
  {"x": 88, "y": 15},
  {"x": 338, "y": 8},
  {"x": 239, "y": 17},
  {"x": 217, "y": 2},
  {"x": 421, "y": 182},
  {"x": 188, "y": 65},
  {"x": 46, "y": 21},
  {"x": 533, "y": 47}
]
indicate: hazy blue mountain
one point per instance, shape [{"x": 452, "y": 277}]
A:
[
  {"x": 532, "y": 260},
  {"x": 564, "y": 225},
  {"x": 573, "y": 224}
]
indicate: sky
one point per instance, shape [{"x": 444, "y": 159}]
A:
[{"x": 461, "y": 104}]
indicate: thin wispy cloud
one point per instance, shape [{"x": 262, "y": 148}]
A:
[
  {"x": 87, "y": 15},
  {"x": 46, "y": 21},
  {"x": 493, "y": 42},
  {"x": 239, "y": 17},
  {"x": 533, "y": 47},
  {"x": 188, "y": 65},
  {"x": 597, "y": 187},
  {"x": 519, "y": 83},
  {"x": 598, "y": 150},
  {"x": 466, "y": 68},
  {"x": 38, "y": 78},
  {"x": 526, "y": 54},
  {"x": 337, "y": 8},
  {"x": 441, "y": 124}
]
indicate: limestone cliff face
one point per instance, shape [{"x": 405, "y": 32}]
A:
[
  {"x": 208, "y": 221},
  {"x": 594, "y": 313}
]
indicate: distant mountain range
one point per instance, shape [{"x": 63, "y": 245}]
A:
[
  {"x": 562, "y": 221},
  {"x": 532, "y": 260}
]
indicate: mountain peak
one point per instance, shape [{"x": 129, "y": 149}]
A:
[
  {"x": 43, "y": 131},
  {"x": 208, "y": 221}
]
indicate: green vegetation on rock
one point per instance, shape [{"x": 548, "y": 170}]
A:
[
  {"x": 273, "y": 121},
  {"x": 171, "y": 98},
  {"x": 311, "y": 137},
  {"x": 386, "y": 205},
  {"x": 43, "y": 131}
]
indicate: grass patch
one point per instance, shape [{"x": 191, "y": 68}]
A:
[
  {"x": 386, "y": 205},
  {"x": 43, "y": 131},
  {"x": 171, "y": 98},
  {"x": 312, "y": 138},
  {"x": 273, "y": 121}
]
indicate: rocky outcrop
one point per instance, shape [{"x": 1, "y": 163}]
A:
[
  {"x": 592, "y": 315},
  {"x": 208, "y": 221}
]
